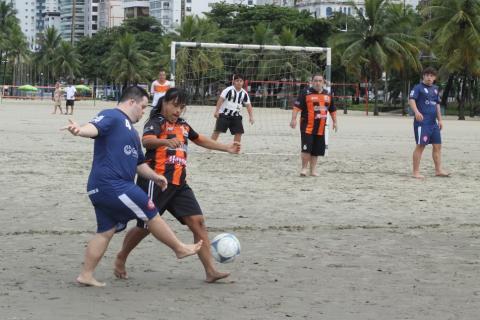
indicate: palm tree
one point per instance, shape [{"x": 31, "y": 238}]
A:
[
  {"x": 8, "y": 21},
  {"x": 194, "y": 65},
  {"x": 127, "y": 64},
  {"x": 66, "y": 61},
  {"x": 456, "y": 28},
  {"x": 373, "y": 41},
  {"x": 50, "y": 41}
]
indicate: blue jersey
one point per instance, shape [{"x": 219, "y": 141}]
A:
[
  {"x": 426, "y": 98},
  {"x": 117, "y": 152}
]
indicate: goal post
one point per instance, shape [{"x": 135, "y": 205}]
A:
[{"x": 235, "y": 46}]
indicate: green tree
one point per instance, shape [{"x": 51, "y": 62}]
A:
[
  {"x": 126, "y": 63},
  {"x": 455, "y": 27},
  {"x": 49, "y": 43},
  {"x": 373, "y": 41},
  {"x": 67, "y": 61}
]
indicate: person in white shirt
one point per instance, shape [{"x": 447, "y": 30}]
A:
[
  {"x": 228, "y": 108},
  {"x": 71, "y": 92},
  {"x": 159, "y": 87}
]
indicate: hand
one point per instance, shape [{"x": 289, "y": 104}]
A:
[
  {"x": 73, "y": 127},
  {"x": 161, "y": 181},
  {"x": 215, "y": 115},
  {"x": 440, "y": 124},
  {"x": 174, "y": 143},
  {"x": 251, "y": 120},
  {"x": 335, "y": 126},
  {"x": 234, "y": 148},
  {"x": 293, "y": 123},
  {"x": 418, "y": 116}
]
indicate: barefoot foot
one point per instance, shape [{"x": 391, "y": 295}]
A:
[
  {"x": 90, "y": 281},
  {"x": 418, "y": 176},
  {"x": 314, "y": 174},
  {"x": 189, "y": 249},
  {"x": 442, "y": 174},
  {"x": 213, "y": 277},
  {"x": 303, "y": 173},
  {"x": 119, "y": 269}
]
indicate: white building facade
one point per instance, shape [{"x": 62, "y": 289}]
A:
[
  {"x": 110, "y": 13},
  {"x": 91, "y": 17},
  {"x": 26, "y": 14}
]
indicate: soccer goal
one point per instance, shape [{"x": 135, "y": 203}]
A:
[{"x": 274, "y": 76}]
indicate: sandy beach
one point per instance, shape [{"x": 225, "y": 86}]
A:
[{"x": 362, "y": 241}]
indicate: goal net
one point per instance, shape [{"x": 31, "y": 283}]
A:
[{"x": 274, "y": 76}]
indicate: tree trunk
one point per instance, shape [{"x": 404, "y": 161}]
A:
[
  {"x": 375, "y": 92},
  {"x": 446, "y": 91},
  {"x": 461, "y": 105},
  {"x": 470, "y": 98}
]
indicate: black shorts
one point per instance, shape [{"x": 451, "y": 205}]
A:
[
  {"x": 180, "y": 200},
  {"x": 70, "y": 103},
  {"x": 234, "y": 123},
  {"x": 313, "y": 144}
]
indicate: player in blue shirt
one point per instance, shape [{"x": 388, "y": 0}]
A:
[
  {"x": 425, "y": 103},
  {"x": 117, "y": 157}
]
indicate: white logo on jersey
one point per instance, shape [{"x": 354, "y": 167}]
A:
[
  {"x": 304, "y": 147},
  {"x": 148, "y": 129},
  {"x": 436, "y": 91},
  {"x": 127, "y": 124},
  {"x": 425, "y": 89},
  {"x": 97, "y": 119},
  {"x": 411, "y": 93},
  {"x": 129, "y": 150}
]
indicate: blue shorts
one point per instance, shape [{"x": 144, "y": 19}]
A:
[
  {"x": 427, "y": 134},
  {"x": 115, "y": 210}
]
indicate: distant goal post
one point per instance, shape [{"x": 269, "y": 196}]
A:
[{"x": 203, "y": 69}]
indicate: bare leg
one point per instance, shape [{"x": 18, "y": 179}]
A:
[
  {"x": 66, "y": 109},
  {"x": 417, "y": 156},
  {"x": 71, "y": 110},
  {"x": 197, "y": 226},
  {"x": 132, "y": 239},
  {"x": 215, "y": 135},
  {"x": 160, "y": 230},
  {"x": 237, "y": 137},
  {"x": 95, "y": 250},
  {"x": 437, "y": 160},
  {"x": 305, "y": 161},
  {"x": 60, "y": 108},
  {"x": 54, "y": 109},
  {"x": 313, "y": 166}
]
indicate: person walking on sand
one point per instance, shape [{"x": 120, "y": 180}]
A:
[
  {"x": 427, "y": 124},
  {"x": 57, "y": 99},
  {"x": 117, "y": 156}
]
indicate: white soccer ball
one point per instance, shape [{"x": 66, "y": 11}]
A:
[{"x": 225, "y": 247}]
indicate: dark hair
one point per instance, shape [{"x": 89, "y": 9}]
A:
[
  {"x": 177, "y": 95},
  {"x": 133, "y": 92},
  {"x": 429, "y": 70},
  {"x": 238, "y": 76}
]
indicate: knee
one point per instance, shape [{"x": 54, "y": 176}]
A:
[{"x": 195, "y": 222}]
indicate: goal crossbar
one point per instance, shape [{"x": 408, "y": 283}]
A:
[{"x": 175, "y": 44}]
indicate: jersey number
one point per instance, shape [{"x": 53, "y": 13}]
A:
[{"x": 127, "y": 124}]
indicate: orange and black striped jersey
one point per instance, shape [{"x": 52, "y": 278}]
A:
[
  {"x": 314, "y": 107},
  {"x": 170, "y": 162}
]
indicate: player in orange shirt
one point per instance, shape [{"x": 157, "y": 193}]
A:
[
  {"x": 159, "y": 87},
  {"x": 165, "y": 137},
  {"x": 315, "y": 104}
]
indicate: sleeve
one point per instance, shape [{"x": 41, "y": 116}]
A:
[
  {"x": 104, "y": 122},
  {"x": 414, "y": 94},
  {"x": 438, "y": 95},
  {"x": 152, "y": 128},
  {"x": 192, "y": 134},
  {"x": 246, "y": 100},
  {"x": 299, "y": 103},
  {"x": 224, "y": 93}
]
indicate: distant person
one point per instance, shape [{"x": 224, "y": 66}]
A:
[
  {"x": 159, "y": 87},
  {"x": 71, "y": 92},
  {"x": 57, "y": 99},
  {"x": 166, "y": 136},
  {"x": 117, "y": 156},
  {"x": 425, "y": 104},
  {"x": 314, "y": 103},
  {"x": 228, "y": 110}
]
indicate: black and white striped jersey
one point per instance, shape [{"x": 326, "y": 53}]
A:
[{"x": 234, "y": 101}]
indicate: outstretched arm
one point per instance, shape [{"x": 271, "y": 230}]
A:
[
  {"x": 208, "y": 143},
  {"x": 87, "y": 130}
]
